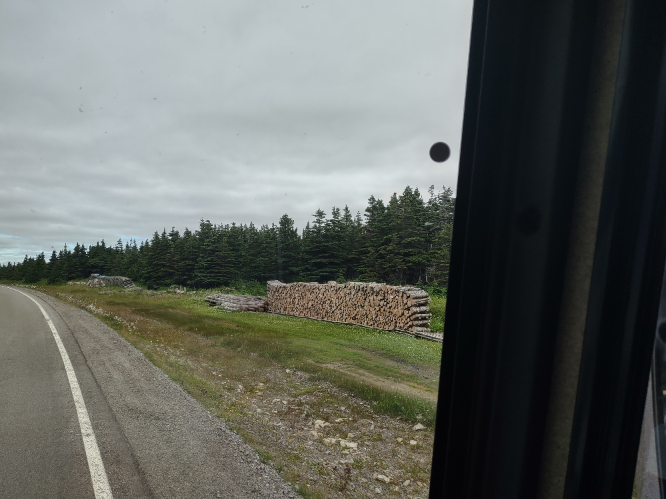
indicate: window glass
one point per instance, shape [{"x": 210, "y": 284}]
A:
[
  {"x": 201, "y": 148},
  {"x": 650, "y": 481}
]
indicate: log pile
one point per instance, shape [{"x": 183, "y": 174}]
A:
[
  {"x": 403, "y": 308},
  {"x": 100, "y": 281},
  {"x": 237, "y": 303}
]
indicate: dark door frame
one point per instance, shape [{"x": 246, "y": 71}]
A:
[{"x": 533, "y": 96}]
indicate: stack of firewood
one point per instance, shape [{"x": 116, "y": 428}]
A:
[
  {"x": 403, "y": 308},
  {"x": 237, "y": 303}
]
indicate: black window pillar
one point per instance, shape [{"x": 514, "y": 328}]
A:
[{"x": 558, "y": 251}]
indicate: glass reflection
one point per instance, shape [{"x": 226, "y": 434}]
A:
[{"x": 650, "y": 481}]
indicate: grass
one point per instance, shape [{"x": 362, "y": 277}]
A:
[
  {"x": 438, "y": 310},
  {"x": 349, "y": 357},
  {"x": 264, "y": 456},
  {"x": 246, "y": 288}
]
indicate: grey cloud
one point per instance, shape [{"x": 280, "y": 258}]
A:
[{"x": 119, "y": 119}]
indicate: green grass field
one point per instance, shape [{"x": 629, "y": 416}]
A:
[{"x": 437, "y": 308}]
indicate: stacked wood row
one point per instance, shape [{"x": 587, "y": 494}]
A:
[
  {"x": 237, "y": 303},
  {"x": 100, "y": 281},
  {"x": 404, "y": 308}
]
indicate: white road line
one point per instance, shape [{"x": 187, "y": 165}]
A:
[{"x": 97, "y": 472}]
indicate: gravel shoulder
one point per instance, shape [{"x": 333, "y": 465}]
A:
[{"x": 180, "y": 449}]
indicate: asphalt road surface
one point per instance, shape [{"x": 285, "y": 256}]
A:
[{"x": 153, "y": 439}]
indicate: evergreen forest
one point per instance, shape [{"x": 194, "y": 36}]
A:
[{"x": 403, "y": 241}]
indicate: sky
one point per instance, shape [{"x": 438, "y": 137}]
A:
[{"x": 119, "y": 118}]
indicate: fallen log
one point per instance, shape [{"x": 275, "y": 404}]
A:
[
  {"x": 100, "y": 281},
  {"x": 237, "y": 303}
]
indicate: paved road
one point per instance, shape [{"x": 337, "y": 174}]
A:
[{"x": 153, "y": 438}]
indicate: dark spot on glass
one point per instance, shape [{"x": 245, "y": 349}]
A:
[{"x": 440, "y": 152}]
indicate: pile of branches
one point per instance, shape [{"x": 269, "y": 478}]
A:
[
  {"x": 237, "y": 303},
  {"x": 100, "y": 281},
  {"x": 403, "y": 308}
]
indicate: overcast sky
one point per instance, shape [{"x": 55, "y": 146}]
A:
[{"x": 122, "y": 117}]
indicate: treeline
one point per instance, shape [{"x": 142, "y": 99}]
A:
[{"x": 403, "y": 241}]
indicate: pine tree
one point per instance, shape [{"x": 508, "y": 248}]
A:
[
  {"x": 413, "y": 234},
  {"x": 98, "y": 259},
  {"x": 172, "y": 247},
  {"x": 440, "y": 208},
  {"x": 79, "y": 262},
  {"x": 375, "y": 235},
  {"x": 234, "y": 235},
  {"x": 248, "y": 259},
  {"x": 117, "y": 259},
  {"x": 158, "y": 250},
  {"x": 316, "y": 251},
  {"x": 266, "y": 251},
  {"x": 34, "y": 269},
  {"x": 213, "y": 267},
  {"x": 186, "y": 251},
  {"x": 65, "y": 263},
  {"x": 142, "y": 266},
  {"x": 288, "y": 250},
  {"x": 334, "y": 238},
  {"x": 131, "y": 261},
  {"x": 352, "y": 244}
]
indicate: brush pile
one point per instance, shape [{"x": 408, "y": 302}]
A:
[
  {"x": 237, "y": 303},
  {"x": 403, "y": 308},
  {"x": 100, "y": 281}
]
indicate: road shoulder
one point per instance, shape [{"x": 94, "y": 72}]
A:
[{"x": 180, "y": 449}]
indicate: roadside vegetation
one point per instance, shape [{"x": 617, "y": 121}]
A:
[
  {"x": 438, "y": 310},
  {"x": 333, "y": 407}
]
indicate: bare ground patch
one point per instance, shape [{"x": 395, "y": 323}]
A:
[{"x": 379, "y": 382}]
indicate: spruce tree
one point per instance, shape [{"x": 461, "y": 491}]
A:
[
  {"x": 117, "y": 259},
  {"x": 316, "y": 255},
  {"x": 213, "y": 267},
  {"x": 288, "y": 250},
  {"x": 186, "y": 251},
  {"x": 54, "y": 269},
  {"x": 375, "y": 235},
  {"x": 131, "y": 264},
  {"x": 334, "y": 238},
  {"x": 351, "y": 240},
  {"x": 98, "y": 259},
  {"x": 440, "y": 208},
  {"x": 34, "y": 269},
  {"x": 79, "y": 262}
]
